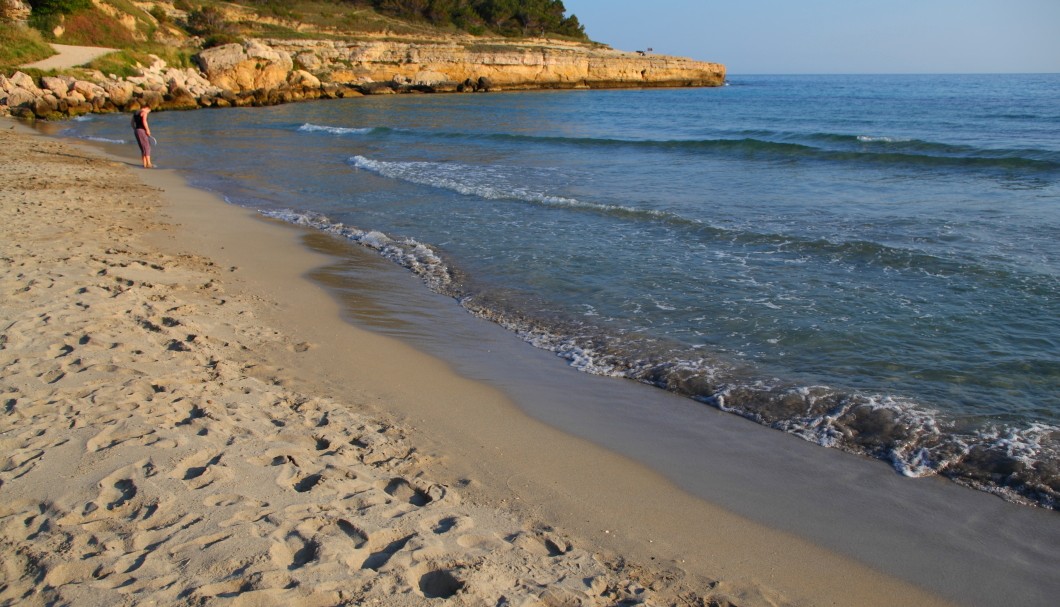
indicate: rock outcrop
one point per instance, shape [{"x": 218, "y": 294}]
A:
[
  {"x": 533, "y": 64},
  {"x": 245, "y": 67},
  {"x": 282, "y": 71},
  {"x": 14, "y": 11}
]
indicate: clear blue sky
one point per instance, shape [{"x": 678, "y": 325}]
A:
[{"x": 836, "y": 36}]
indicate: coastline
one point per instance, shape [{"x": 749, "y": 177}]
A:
[{"x": 569, "y": 493}]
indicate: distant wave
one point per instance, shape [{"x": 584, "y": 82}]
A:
[
  {"x": 881, "y": 139},
  {"x": 767, "y": 145},
  {"x": 841, "y": 148},
  {"x": 489, "y": 182},
  {"x": 495, "y": 183},
  {"x": 334, "y": 130}
]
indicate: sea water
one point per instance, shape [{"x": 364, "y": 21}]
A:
[{"x": 869, "y": 262}]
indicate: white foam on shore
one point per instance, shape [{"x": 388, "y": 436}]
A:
[
  {"x": 104, "y": 140},
  {"x": 415, "y": 256},
  {"x": 830, "y": 415}
]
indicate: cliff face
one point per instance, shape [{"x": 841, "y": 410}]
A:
[
  {"x": 508, "y": 65},
  {"x": 270, "y": 71}
]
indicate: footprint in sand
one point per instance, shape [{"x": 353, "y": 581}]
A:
[
  {"x": 401, "y": 489},
  {"x": 381, "y": 556},
  {"x": 201, "y": 470},
  {"x": 308, "y": 483},
  {"x": 353, "y": 532},
  {"x": 295, "y": 551},
  {"x": 440, "y": 584},
  {"x": 117, "y": 494}
]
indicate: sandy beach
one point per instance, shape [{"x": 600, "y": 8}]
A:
[{"x": 187, "y": 419}]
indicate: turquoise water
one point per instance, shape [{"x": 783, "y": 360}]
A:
[{"x": 870, "y": 262}]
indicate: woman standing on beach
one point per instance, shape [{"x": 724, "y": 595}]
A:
[{"x": 143, "y": 134}]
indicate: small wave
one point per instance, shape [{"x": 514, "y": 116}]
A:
[
  {"x": 102, "y": 139},
  {"x": 334, "y": 130},
  {"x": 421, "y": 259},
  {"x": 881, "y": 139},
  {"x": 496, "y": 182},
  {"x": 492, "y": 182},
  {"x": 1016, "y": 463},
  {"x": 831, "y": 147}
]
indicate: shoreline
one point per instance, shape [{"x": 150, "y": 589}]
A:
[{"x": 600, "y": 503}]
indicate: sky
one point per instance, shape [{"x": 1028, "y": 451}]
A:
[{"x": 836, "y": 36}]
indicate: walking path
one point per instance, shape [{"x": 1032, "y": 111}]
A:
[{"x": 70, "y": 56}]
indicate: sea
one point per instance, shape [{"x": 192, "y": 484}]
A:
[{"x": 871, "y": 263}]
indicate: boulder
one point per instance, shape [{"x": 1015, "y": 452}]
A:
[
  {"x": 303, "y": 79},
  {"x": 245, "y": 67},
  {"x": 14, "y": 11},
  {"x": 377, "y": 88},
  {"x": 147, "y": 98},
  {"x": 25, "y": 82},
  {"x": 18, "y": 97},
  {"x": 89, "y": 90},
  {"x": 429, "y": 78},
  {"x": 45, "y": 105},
  {"x": 119, "y": 91},
  {"x": 74, "y": 98},
  {"x": 180, "y": 98},
  {"x": 59, "y": 86}
]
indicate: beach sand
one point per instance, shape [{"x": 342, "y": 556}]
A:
[{"x": 188, "y": 420}]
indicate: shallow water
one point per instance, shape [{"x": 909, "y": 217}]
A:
[{"x": 871, "y": 263}]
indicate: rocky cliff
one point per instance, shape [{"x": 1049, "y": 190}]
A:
[
  {"x": 527, "y": 64},
  {"x": 271, "y": 70}
]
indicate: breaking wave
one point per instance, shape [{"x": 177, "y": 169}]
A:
[
  {"x": 333, "y": 130},
  {"x": 1017, "y": 463}
]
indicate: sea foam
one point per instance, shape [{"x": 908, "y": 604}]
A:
[{"x": 334, "y": 130}]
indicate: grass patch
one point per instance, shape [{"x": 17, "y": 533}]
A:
[
  {"x": 20, "y": 45},
  {"x": 95, "y": 28},
  {"x": 123, "y": 63}
]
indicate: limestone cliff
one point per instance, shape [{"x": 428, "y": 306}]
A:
[
  {"x": 506, "y": 64},
  {"x": 322, "y": 63}
]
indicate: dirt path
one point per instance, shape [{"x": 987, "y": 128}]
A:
[{"x": 70, "y": 56}]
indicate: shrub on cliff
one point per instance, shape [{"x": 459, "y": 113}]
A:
[
  {"x": 95, "y": 28},
  {"x": 506, "y": 17},
  {"x": 58, "y": 7},
  {"x": 210, "y": 23}
]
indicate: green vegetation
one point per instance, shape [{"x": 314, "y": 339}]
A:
[
  {"x": 123, "y": 63},
  {"x": 94, "y": 28},
  {"x": 518, "y": 18},
  {"x": 20, "y": 45},
  {"x": 58, "y": 7},
  {"x": 81, "y": 22},
  {"x": 212, "y": 22},
  {"x": 215, "y": 21}
]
